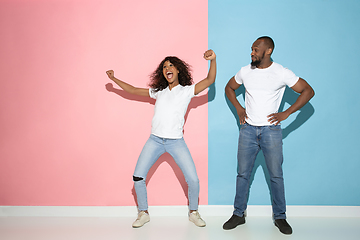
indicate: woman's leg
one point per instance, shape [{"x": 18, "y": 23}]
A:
[
  {"x": 150, "y": 153},
  {"x": 178, "y": 149}
]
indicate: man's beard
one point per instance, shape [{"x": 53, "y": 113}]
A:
[{"x": 257, "y": 62}]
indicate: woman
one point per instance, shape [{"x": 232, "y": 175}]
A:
[{"x": 171, "y": 86}]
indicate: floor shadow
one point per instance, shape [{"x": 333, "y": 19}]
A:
[
  {"x": 304, "y": 114},
  {"x": 195, "y": 102}
]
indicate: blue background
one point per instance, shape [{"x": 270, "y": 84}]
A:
[{"x": 319, "y": 41}]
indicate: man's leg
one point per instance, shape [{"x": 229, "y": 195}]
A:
[
  {"x": 248, "y": 149},
  {"x": 271, "y": 145}
]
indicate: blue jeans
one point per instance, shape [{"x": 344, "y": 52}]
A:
[
  {"x": 252, "y": 139},
  {"x": 153, "y": 149}
]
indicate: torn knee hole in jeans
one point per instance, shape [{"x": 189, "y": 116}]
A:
[{"x": 137, "y": 178}]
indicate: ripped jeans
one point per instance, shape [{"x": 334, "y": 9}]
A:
[{"x": 153, "y": 149}]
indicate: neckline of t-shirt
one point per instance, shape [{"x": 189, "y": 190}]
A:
[
  {"x": 262, "y": 69},
  {"x": 173, "y": 87}
]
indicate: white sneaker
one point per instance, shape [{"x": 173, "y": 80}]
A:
[
  {"x": 196, "y": 219},
  {"x": 142, "y": 218}
]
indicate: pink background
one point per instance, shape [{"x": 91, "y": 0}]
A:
[{"x": 68, "y": 135}]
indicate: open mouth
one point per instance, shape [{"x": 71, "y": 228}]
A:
[{"x": 169, "y": 75}]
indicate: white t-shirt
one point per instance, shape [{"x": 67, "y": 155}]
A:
[
  {"x": 264, "y": 90},
  {"x": 170, "y": 109}
]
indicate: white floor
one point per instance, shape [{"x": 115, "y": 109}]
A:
[{"x": 173, "y": 228}]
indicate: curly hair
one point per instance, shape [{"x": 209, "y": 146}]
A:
[{"x": 157, "y": 80}]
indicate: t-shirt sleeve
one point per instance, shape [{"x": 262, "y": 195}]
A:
[
  {"x": 238, "y": 78},
  {"x": 290, "y": 78},
  {"x": 191, "y": 90},
  {"x": 152, "y": 93}
]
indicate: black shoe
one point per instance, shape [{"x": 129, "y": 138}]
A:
[
  {"x": 283, "y": 226},
  {"x": 233, "y": 222}
]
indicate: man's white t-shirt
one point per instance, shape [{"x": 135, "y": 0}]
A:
[
  {"x": 170, "y": 110},
  {"x": 264, "y": 90}
]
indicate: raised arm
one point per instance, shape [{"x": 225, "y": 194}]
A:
[
  {"x": 127, "y": 87},
  {"x": 210, "y": 79},
  {"x": 230, "y": 88},
  {"x": 306, "y": 93}
]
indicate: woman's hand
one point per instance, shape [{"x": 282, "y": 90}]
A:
[
  {"x": 209, "y": 55},
  {"x": 110, "y": 74}
]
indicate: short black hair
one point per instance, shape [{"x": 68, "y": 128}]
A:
[{"x": 268, "y": 41}]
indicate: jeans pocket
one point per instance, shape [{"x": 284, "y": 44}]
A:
[
  {"x": 274, "y": 128},
  {"x": 245, "y": 125}
]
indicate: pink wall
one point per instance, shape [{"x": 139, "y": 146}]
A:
[{"x": 68, "y": 135}]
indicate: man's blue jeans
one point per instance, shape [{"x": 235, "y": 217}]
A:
[
  {"x": 153, "y": 149},
  {"x": 252, "y": 139}
]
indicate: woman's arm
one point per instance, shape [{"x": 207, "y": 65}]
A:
[
  {"x": 210, "y": 79},
  {"x": 127, "y": 87}
]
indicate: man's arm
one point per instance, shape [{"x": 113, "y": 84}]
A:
[
  {"x": 306, "y": 93},
  {"x": 230, "y": 88}
]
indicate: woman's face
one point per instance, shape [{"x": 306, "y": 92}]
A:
[{"x": 170, "y": 72}]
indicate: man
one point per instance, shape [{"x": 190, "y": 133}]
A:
[{"x": 265, "y": 82}]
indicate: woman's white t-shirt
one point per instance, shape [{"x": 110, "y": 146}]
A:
[{"x": 170, "y": 110}]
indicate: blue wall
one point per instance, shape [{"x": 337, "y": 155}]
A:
[{"x": 319, "y": 41}]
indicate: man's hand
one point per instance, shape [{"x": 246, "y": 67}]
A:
[
  {"x": 276, "y": 118},
  {"x": 242, "y": 115}
]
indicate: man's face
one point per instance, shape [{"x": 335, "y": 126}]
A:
[{"x": 258, "y": 50}]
